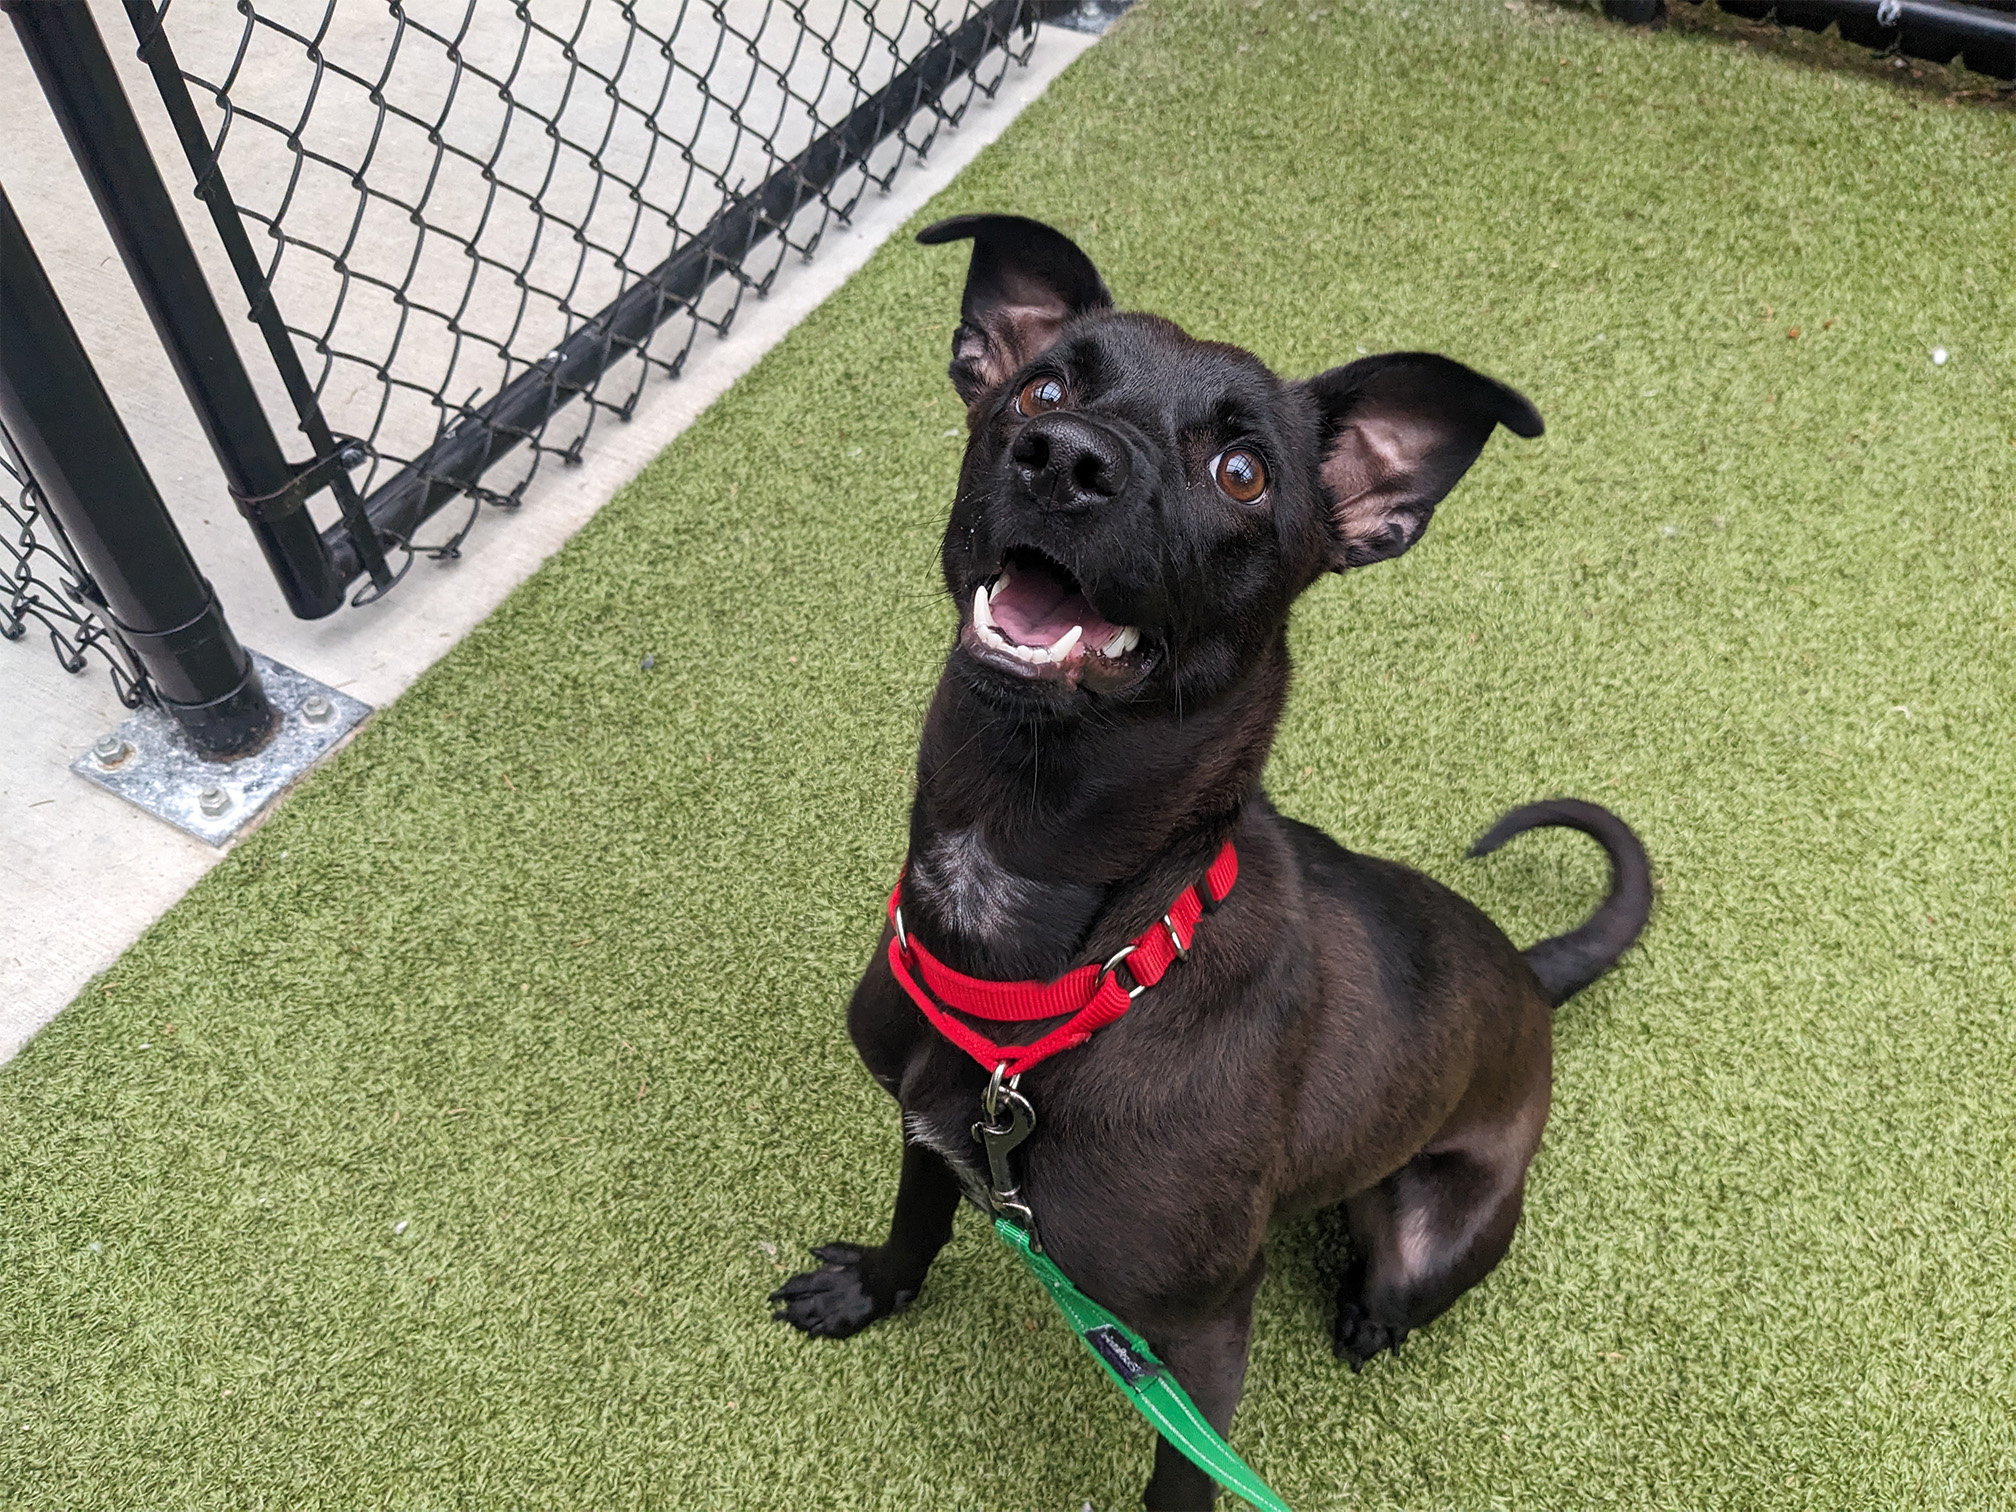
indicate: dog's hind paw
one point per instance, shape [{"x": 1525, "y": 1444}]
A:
[
  {"x": 1360, "y": 1337},
  {"x": 840, "y": 1298}
]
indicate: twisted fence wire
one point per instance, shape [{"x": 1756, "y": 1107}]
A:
[{"x": 47, "y": 589}]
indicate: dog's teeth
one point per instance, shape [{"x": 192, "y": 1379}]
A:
[
  {"x": 1125, "y": 639},
  {"x": 1000, "y": 582},
  {"x": 1067, "y": 644},
  {"x": 981, "y": 618}
]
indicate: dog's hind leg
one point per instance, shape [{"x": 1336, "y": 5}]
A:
[
  {"x": 1432, "y": 1230},
  {"x": 858, "y": 1284}
]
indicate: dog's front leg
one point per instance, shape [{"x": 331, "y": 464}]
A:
[
  {"x": 1209, "y": 1360},
  {"x": 857, "y": 1285}
]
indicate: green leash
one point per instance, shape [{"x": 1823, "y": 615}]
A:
[{"x": 1146, "y": 1381}]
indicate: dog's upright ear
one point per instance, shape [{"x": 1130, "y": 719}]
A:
[
  {"x": 1399, "y": 430},
  {"x": 1025, "y": 281}
]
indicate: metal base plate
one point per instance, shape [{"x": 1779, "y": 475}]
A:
[
  {"x": 214, "y": 800},
  {"x": 1093, "y": 16}
]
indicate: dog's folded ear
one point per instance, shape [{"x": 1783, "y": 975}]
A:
[
  {"x": 1399, "y": 431},
  {"x": 1025, "y": 281}
]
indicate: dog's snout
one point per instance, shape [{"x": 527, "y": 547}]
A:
[{"x": 1069, "y": 463}]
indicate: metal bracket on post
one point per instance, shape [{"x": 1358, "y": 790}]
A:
[
  {"x": 354, "y": 532},
  {"x": 306, "y": 482},
  {"x": 331, "y": 470}
]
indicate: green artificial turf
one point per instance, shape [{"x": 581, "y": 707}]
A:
[{"x": 439, "y": 1150}]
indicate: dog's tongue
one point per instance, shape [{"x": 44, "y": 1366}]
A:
[{"x": 1038, "y": 605}]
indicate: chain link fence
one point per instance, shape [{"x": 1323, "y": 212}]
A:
[
  {"x": 473, "y": 231},
  {"x": 47, "y": 589},
  {"x": 444, "y": 193}
]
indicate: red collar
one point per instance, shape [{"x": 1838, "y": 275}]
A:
[{"x": 1092, "y": 995}]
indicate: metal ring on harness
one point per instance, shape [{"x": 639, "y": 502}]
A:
[
  {"x": 990, "y": 1100},
  {"x": 1108, "y": 970}
]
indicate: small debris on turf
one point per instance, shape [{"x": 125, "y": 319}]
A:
[
  {"x": 651, "y": 661},
  {"x": 1938, "y": 356},
  {"x": 399, "y": 1228}
]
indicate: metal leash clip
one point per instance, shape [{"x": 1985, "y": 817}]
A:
[{"x": 1009, "y": 1119}]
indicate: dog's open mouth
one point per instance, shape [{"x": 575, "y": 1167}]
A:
[{"x": 1032, "y": 618}]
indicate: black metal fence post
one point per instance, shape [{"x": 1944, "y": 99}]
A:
[
  {"x": 76, "y": 74},
  {"x": 76, "y": 447}
]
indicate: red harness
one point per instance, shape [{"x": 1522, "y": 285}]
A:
[{"x": 1092, "y": 995}]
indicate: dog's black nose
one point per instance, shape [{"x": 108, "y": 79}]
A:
[{"x": 1070, "y": 463}]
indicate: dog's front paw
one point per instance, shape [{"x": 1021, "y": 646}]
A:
[
  {"x": 840, "y": 1298},
  {"x": 1360, "y": 1336}
]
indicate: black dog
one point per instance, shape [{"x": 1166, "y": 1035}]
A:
[{"x": 1137, "y": 512}]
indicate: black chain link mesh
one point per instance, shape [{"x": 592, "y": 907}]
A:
[
  {"x": 47, "y": 589},
  {"x": 445, "y": 198},
  {"x": 443, "y": 192}
]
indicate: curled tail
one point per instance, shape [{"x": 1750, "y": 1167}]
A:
[{"x": 1567, "y": 963}]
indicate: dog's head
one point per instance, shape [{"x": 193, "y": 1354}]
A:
[{"x": 1138, "y": 509}]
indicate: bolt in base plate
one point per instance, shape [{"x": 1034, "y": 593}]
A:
[{"x": 161, "y": 774}]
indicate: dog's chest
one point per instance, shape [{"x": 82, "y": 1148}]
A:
[
  {"x": 996, "y": 913},
  {"x": 950, "y": 1135},
  {"x": 975, "y": 894}
]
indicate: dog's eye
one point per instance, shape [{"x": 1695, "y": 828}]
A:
[
  {"x": 1241, "y": 475},
  {"x": 1039, "y": 395}
]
